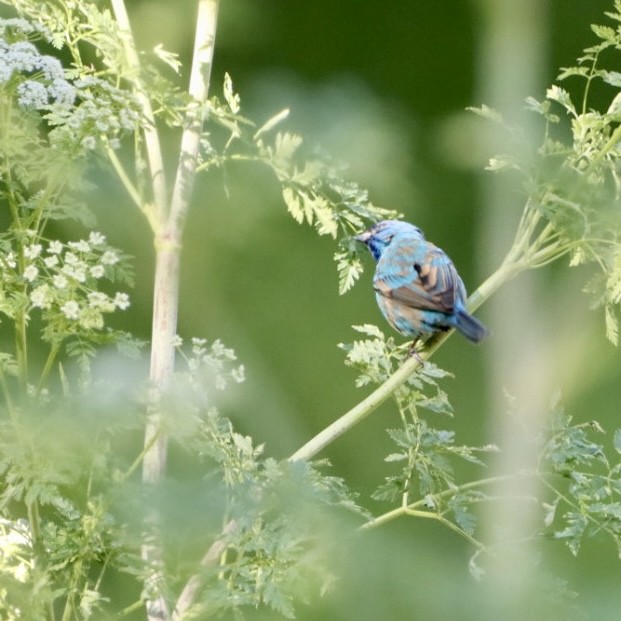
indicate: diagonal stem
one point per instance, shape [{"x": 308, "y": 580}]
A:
[
  {"x": 361, "y": 410},
  {"x": 151, "y": 136}
]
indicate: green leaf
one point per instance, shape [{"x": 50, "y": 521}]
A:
[
  {"x": 487, "y": 113},
  {"x": 561, "y": 96},
  {"x": 285, "y": 147},
  {"x": 612, "y": 325},
  {"x": 567, "y": 72},
  {"x": 550, "y": 511},
  {"x": 271, "y": 123},
  {"x": 231, "y": 98},
  {"x": 612, "y": 77},
  {"x": 606, "y": 33},
  {"x": 573, "y": 533},
  {"x": 392, "y": 457},
  {"x": 326, "y": 222},
  {"x": 370, "y": 330},
  {"x": 349, "y": 269},
  {"x": 293, "y": 200},
  {"x": 169, "y": 58}
]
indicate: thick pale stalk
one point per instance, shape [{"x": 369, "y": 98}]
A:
[
  {"x": 165, "y": 303},
  {"x": 198, "y": 89},
  {"x": 168, "y": 249},
  {"x": 168, "y": 241}
]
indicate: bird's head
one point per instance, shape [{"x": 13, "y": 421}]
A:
[{"x": 380, "y": 235}]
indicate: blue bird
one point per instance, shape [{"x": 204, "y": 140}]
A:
[{"x": 416, "y": 285}]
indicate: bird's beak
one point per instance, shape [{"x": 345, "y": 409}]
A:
[{"x": 363, "y": 237}]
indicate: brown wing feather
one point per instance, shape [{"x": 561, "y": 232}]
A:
[{"x": 433, "y": 287}]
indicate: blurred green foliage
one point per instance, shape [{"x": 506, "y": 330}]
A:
[{"x": 380, "y": 88}]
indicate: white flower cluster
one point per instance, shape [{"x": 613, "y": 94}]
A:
[
  {"x": 101, "y": 111},
  {"x": 45, "y": 81},
  {"x": 214, "y": 362},
  {"x": 82, "y": 111},
  {"x": 64, "y": 278}
]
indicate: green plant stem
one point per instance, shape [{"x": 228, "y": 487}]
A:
[
  {"x": 131, "y": 608},
  {"x": 125, "y": 180},
  {"x": 47, "y": 368},
  {"x": 597, "y": 523},
  {"x": 69, "y": 607},
  {"x": 34, "y": 521},
  {"x": 21, "y": 349},
  {"x": 610, "y": 144},
  {"x": 413, "y": 507},
  {"x": 151, "y": 136},
  {"x": 430, "y": 515},
  {"x": 7, "y": 396},
  {"x": 136, "y": 463},
  {"x": 193, "y": 585}
]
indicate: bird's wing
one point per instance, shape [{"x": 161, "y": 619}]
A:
[{"x": 431, "y": 284}]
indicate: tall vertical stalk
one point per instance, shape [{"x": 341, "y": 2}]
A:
[
  {"x": 168, "y": 237},
  {"x": 167, "y": 220}
]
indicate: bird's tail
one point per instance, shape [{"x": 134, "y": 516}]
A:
[{"x": 470, "y": 326}]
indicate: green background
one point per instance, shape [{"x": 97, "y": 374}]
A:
[{"x": 384, "y": 86}]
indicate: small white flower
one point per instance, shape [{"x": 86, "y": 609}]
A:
[
  {"x": 71, "y": 309},
  {"x": 100, "y": 301},
  {"x": 62, "y": 92},
  {"x": 32, "y": 95},
  {"x": 121, "y": 300},
  {"x": 75, "y": 271},
  {"x": 30, "y": 273},
  {"x": 89, "y": 143},
  {"x": 177, "y": 341},
  {"x": 51, "y": 261},
  {"x": 51, "y": 67},
  {"x": 71, "y": 258},
  {"x": 198, "y": 346},
  {"x": 55, "y": 247},
  {"x": 32, "y": 251},
  {"x": 109, "y": 257},
  {"x": 41, "y": 297},
  {"x": 22, "y": 572},
  {"x": 9, "y": 259},
  {"x": 239, "y": 374},
  {"x": 79, "y": 273},
  {"x": 60, "y": 282},
  {"x": 97, "y": 298},
  {"x": 96, "y": 238},
  {"x": 97, "y": 271},
  {"x": 81, "y": 246}
]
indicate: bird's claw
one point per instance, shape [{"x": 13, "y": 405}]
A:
[{"x": 412, "y": 352}]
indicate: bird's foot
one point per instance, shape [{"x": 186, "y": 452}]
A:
[{"x": 413, "y": 352}]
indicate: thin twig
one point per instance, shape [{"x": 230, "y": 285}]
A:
[
  {"x": 188, "y": 595},
  {"x": 151, "y": 136}
]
